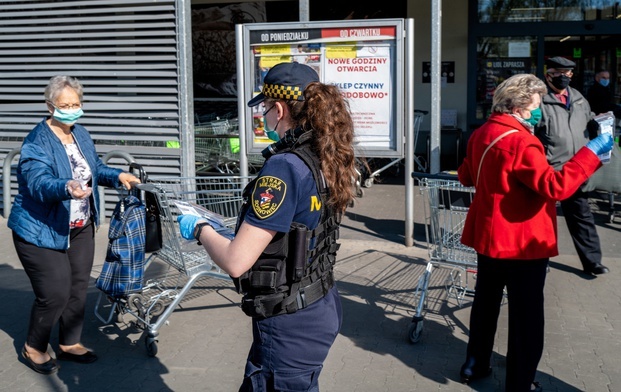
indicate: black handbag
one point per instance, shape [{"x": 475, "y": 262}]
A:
[{"x": 153, "y": 224}]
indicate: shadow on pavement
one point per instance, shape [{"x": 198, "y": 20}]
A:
[
  {"x": 119, "y": 356},
  {"x": 378, "y": 299}
]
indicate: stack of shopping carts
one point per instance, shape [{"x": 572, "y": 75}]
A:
[{"x": 216, "y": 146}]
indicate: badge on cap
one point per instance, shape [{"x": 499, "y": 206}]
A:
[{"x": 269, "y": 193}]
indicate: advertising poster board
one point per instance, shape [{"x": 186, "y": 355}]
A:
[{"x": 363, "y": 58}]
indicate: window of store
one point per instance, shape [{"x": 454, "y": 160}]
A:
[
  {"x": 501, "y": 11},
  {"x": 497, "y": 59},
  {"x": 585, "y": 32}
]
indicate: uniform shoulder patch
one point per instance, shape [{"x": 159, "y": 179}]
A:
[{"x": 268, "y": 194}]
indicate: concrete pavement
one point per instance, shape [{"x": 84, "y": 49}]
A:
[{"x": 204, "y": 345}]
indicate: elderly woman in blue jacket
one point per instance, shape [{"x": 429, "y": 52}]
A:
[{"x": 53, "y": 219}]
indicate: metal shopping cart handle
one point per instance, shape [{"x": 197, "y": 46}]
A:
[
  {"x": 445, "y": 175},
  {"x": 145, "y": 187}
]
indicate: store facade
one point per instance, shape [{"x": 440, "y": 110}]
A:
[
  {"x": 504, "y": 39},
  {"x": 154, "y": 70}
]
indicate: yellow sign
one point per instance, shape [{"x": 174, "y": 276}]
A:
[
  {"x": 274, "y": 54},
  {"x": 341, "y": 52}
]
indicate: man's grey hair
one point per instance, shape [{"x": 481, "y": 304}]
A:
[{"x": 517, "y": 92}]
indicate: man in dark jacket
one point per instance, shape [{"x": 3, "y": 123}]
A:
[
  {"x": 600, "y": 96},
  {"x": 563, "y": 131}
]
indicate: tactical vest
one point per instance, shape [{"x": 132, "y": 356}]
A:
[{"x": 289, "y": 275}]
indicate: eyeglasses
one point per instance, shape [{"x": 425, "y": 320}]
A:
[
  {"x": 65, "y": 106},
  {"x": 556, "y": 74},
  {"x": 265, "y": 112}
]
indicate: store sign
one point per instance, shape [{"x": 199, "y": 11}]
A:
[{"x": 447, "y": 72}]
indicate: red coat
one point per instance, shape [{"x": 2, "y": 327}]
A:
[{"x": 513, "y": 213}]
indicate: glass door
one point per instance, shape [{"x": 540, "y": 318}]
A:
[{"x": 591, "y": 53}]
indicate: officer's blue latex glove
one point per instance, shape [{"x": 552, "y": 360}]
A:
[
  {"x": 601, "y": 144},
  {"x": 187, "y": 223}
]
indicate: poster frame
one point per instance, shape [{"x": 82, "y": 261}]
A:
[{"x": 392, "y": 136}]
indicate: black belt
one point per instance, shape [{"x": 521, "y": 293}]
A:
[{"x": 263, "y": 306}]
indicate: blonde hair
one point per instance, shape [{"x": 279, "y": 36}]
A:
[{"x": 517, "y": 92}]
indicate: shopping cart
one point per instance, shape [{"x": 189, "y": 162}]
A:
[
  {"x": 446, "y": 205},
  {"x": 216, "y": 146},
  {"x": 186, "y": 261}
]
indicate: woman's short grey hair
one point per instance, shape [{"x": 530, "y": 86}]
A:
[
  {"x": 517, "y": 92},
  {"x": 58, "y": 83}
]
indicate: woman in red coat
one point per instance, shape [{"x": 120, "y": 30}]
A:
[{"x": 512, "y": 226}]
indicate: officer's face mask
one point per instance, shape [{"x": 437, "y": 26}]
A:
[
  {"x": 67, "y": 116},
  {"x": 270, "y": 133},
  {"x": 604, "y": 82}
]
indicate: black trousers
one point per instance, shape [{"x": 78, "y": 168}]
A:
[
  {"x": 581, "y": 225},
  {"x": 59, "y": 280},
  {"x": 524, "y": 280}
]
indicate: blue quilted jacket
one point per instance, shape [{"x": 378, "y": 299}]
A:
[{"x": 41, "y": 210}]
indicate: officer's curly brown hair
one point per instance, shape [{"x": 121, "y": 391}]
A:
[{"x": 327, "y": 114}]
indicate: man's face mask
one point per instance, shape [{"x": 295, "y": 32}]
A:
[
  {"x": 604, "y": 82},
  {"x": 560, "y": 82}
]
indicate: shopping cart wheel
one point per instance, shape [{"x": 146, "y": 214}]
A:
[
  {"x": 416, "y": 329},
  {"x": 134, "y": 302},
  {"x": 158, "y": 308},
  {"x": 151, "y": 344},
  {"x": 368, "y": 183}
]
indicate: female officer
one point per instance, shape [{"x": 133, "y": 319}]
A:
[{"x": 305, "y": 183}]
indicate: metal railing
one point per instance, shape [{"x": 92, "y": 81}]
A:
[{"x": 6, "y": 180}]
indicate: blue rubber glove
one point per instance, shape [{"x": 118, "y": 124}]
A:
[
  {"x": 187, "y": 223},
  {"x": 601, "y": 144}
]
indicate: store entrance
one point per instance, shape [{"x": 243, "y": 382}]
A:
[{"x": 590, "y": 53}]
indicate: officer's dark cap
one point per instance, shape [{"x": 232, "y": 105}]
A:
[
  {"x": 559, "y": 62},
  {"x": 286, "y": 81}
]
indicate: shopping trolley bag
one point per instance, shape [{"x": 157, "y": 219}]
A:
[{"x": 122, "y": 271}]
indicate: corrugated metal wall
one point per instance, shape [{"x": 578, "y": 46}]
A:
[{"x": 125, "y": 53}]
